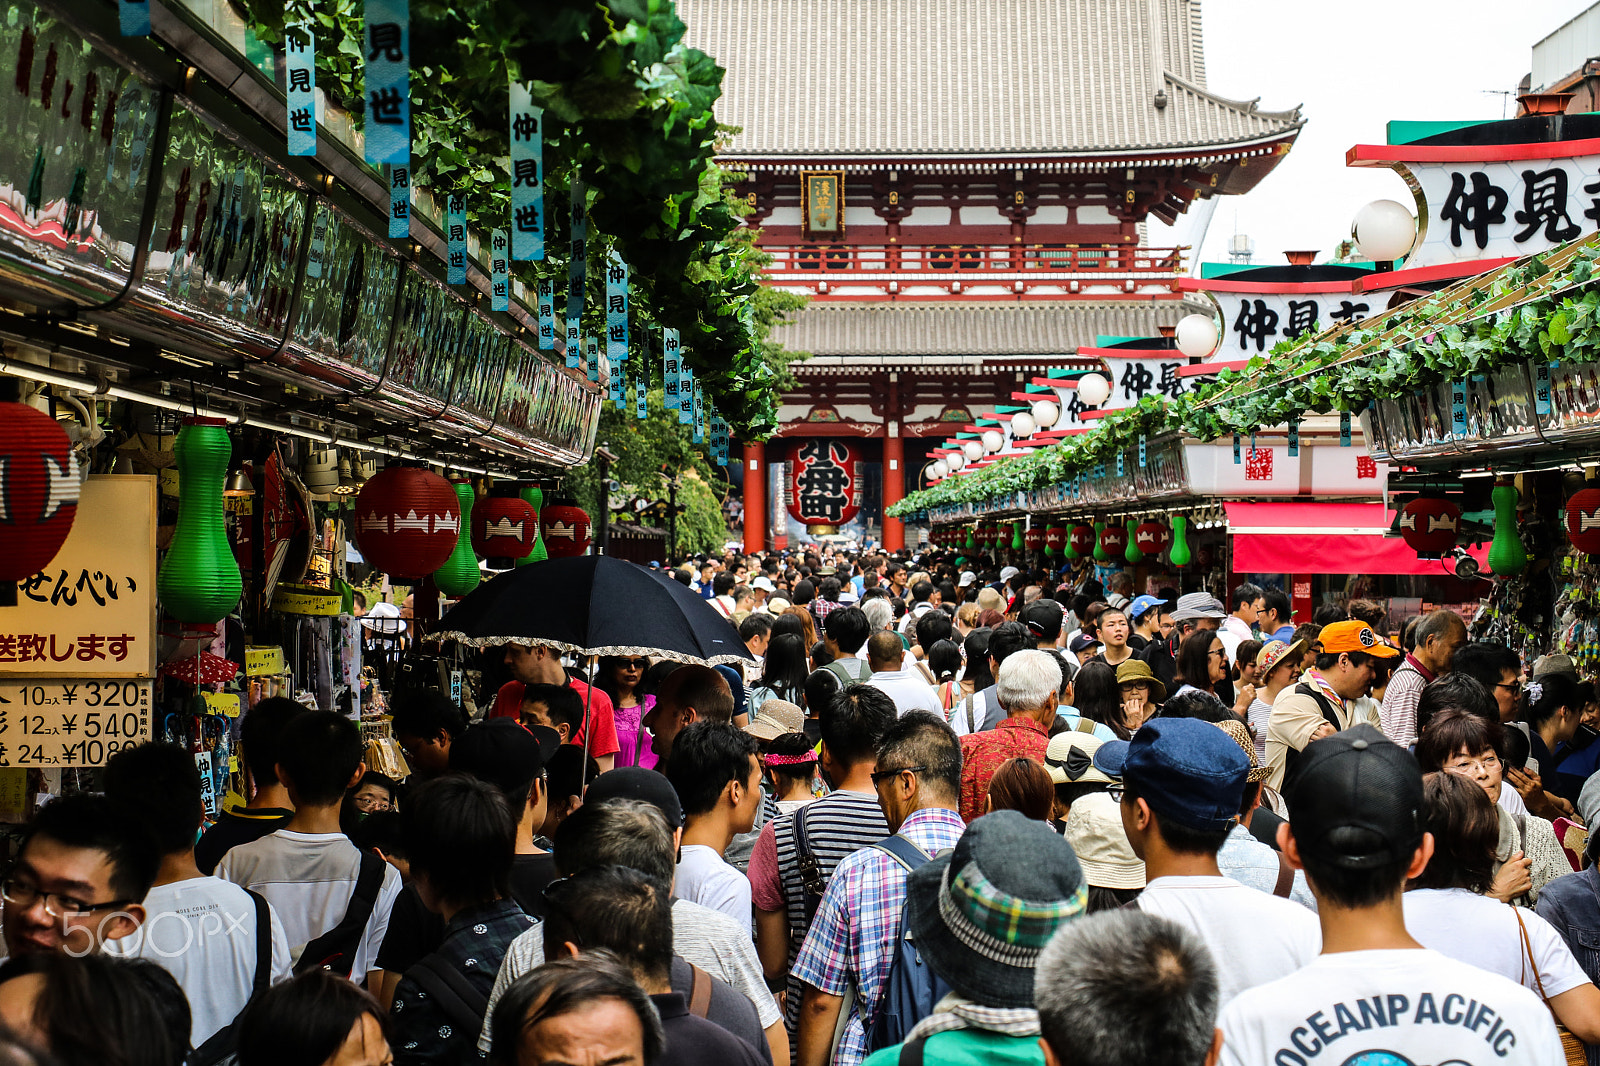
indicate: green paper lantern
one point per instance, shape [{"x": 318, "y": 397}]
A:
[
  {"x": 1179, "y": 552},
  {"x": 1100, "y": 554},
  {"x": 1016, "y": 536},
  {"x": 1132, "y": 552},
  {"x": 972, "y": 538},
  {"x": 533, "y": 495},
  {"x": 199, "y": 581},
  {"x": 459, "y": 575},
  {"x": 1506, "y": 554}
]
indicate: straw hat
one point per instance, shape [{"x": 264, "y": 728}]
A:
[
  {"x": 1131, "y": 670},
  {"x": 1241, "y": 736},
  {"x": 1094, "y": 829}
]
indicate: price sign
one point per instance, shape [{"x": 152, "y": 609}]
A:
[{"x": 71, "y": 723}]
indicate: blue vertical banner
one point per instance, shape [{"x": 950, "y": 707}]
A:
[
  {"x": 134, "y": 16},
  {"x": 399, "y": 201},
  {"x": 671, "y": 364},
  {"x": 527, "y": 175},
  {"x": 1541, "y": 388},
  {"x": 1237, "y": 458},
  {"x": 719, "y": 441},
  {"x": 1344, "y": 429},
  {"x": 699, "y": 415},
  {"x": 546, "y": 293},
  {"x": 640, "y": 392},
  {"x": 1294, "y": 436},
  {"x": 686, "y": 392},
  {"x": 591, "y": 347},
  {"x": 1458, "y": 408},
  {"x": 617, "y": 310},
  {"x": 577, "y": 264},
  {"x": 455, "y": 226},
  {"x": 386, "y": 44},
  {"x": 300, "y": 87},
  {"x": 499, "y": 271},
  {"x": 1141, "y": 451}
]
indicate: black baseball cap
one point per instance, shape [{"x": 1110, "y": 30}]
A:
[
  {"x": 503, "y": 752},
  {"x": 1355, "y": 800},
  {"x": 637, "y": 783}
]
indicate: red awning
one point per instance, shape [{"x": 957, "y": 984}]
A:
[{"x": 1324, "y": 538}]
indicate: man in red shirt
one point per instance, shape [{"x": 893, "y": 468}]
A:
[
  {"x": 542, "y": 666},
  {"x": 1027, "y": 687}
]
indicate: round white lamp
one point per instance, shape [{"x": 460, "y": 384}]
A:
[
  {"x": 1022, "y": 424},
  {"x": 1045, "y": 413},
  {"x": 1197, "y": 335},
  {"x": 1093, "y": 390},
  {"x": 1384, "y": 231},
  {"x": 973, "y": 450},
  {"x": 938, "y": 470},
  {"x": 993, "y": 440},
  {"x": 955, "y": 461}
]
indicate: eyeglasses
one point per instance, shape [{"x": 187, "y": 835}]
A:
[
  {"x": 24, "y": 895},
  {"x": 1515, "y": 687},
  {"x": 883, "y": 775},
  {"x": 636, "y": 664},
  {"x": 1116, "y": 792},
  {"x": 1462, "y": 763},
  {"x": 1217, "y": 651}
]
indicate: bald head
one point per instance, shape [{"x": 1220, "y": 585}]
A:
[
  {"x": 884, "y": 651},
  {"x": 698, "y": 688}
]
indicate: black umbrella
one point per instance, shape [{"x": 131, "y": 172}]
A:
[{"x": 594, "y": 605}]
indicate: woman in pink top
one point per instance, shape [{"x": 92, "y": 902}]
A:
[{"x": 619, "y": 678}]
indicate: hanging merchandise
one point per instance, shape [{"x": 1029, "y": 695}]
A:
[
  {"x": 504, "y": 527},
  {"x": 1152, "y": 537},
  {"x": 1102, "y": 550},
  {"x": 459, "y": 575},
  {"x": 1506, "y": 554},
  {"x": 407, "y": 520},
  {"x": 1081, "y": 541},
  {"x": 1132, "y": 553},
  {"x": 1033, "y": 539},
  {"x": 1055, "y": 538},
  {"x": 38, "y": 494},
  {"x": 972, "y": 538},
  {"x": 566, "y": 530},
  {"x": 1016, "y": 536},
  {"x": 199, "y": 582},
  {"x": 1113, "y": 542},
  {"x": 1429, "y": 525},
  {"x": 533, "y": 496},
  {"x": 1180, "y": 556},
  {"x": 1583, "y": 520}
]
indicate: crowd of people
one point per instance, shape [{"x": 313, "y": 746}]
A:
[{"x": 941, "y": 814}]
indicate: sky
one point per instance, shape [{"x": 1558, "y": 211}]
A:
[{"x": 1354, "y": 65}]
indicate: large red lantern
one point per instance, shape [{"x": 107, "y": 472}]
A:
[
  {"x": 1055, "y": 539},
  {"x": 1033, "y": 539},
  {"x": 504, "y": 527},
  {"x": 1114, "y": 539},
  {"x": 406, "y": 522},
  {"x": 825, "y": 485},
  {"x": 38, "y": 494},
  {"x": 1429, "y": 526},
  {"x": 1082, "y": 539},
  {"x": 1583, "y": 520},
  {"x": 1152, "y": 538},
  {"x": 566, "y": 529}
]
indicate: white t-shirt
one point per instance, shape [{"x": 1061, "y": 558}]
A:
[
  {"x": 705, "y": 878},
  {"x": 308, "y": 879},
  {"x": 1388, "y": 1008},
  {"x": 1482, "y": 932},
  {"x": 203, "y": 932},
  {"x": 909, "y": 691},
  {"x": 1254, "y": 937},
  {"x": 1511, "y": 801}
]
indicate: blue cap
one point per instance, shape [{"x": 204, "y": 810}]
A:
[
  {"x": 1143, "y": 604},
  {"x": 1110, "y": 756},
  {"x": 1188, "y": 771}
]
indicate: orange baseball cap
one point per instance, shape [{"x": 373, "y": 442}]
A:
[{"x": 1353, "y": 635}]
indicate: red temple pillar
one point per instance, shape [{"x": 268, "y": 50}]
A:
[
  {"x": 755, "y": 498},
  {"x": 894, "y": 484}
]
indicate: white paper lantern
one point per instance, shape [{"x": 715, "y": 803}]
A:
[
  {"x": 938, "y": 470},
  {"x": 1045, "y": 413},
  {"x": 955, "y": 461},
  {"x": 1197, "y": 335},
  {"x": 1384, "y": 231},
  {"x": 993, "y": 440},
  {"x": 1022, "y": 424},
  {"x": 1093, "y": 390},
  {"x": 973, "y": 450}
]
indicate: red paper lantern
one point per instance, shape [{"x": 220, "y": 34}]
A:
[
  {"x": 1205, "y": 555},
  {"x": 825, "y": 486},
  {"x": 566, "y": 529},
  {"x": 38, "y": 494},
  {"x": 1152, "y": 538},
  {"x": 1033, "y": 539},
  {"x": 1114, "y": 539},
  {"x": 406, "y": 522},
  {"x": 504, "y": 527},
  {"x": 1429, "y": 526},
  {"x": 1082, "y": 539},
  {"x": 1583, "y": 520},
  {"x": 1055, "y": 538}
]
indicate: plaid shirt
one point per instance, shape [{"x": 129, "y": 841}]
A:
[
  {"x": 984, "y": 753},
  {"x": 852, "y": 940},
  {"x": 821, "y": 608}
]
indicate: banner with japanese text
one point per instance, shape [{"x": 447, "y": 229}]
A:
[
  {"x": 386, "y": 46},
  {"x": 527, "y": 175},
  {"x": 577, "y": 264},
  {"x": 300, "y": 87}
]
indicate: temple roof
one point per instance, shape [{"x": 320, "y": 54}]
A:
[
  {"x": 938, "y": 331},
  {"x": 818, "y": 79}
]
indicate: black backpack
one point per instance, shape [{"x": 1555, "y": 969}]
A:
[
  {"x": 335, "y": 950},
  {"x": 463, "y": 1004},
  {"x": 222, "y": 1045},
  {"x": 912, "y": 988}
]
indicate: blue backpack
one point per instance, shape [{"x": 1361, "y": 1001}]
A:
[{"x": 912, "y": 990}]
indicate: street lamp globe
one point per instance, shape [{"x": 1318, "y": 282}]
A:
[
  {"x": 993, "y": 440},
  {"x": 955, "y": 461},
  {"x": 1093, "y": 390},
  {"x": 938, "y": 470},
  {"x": 1045, "y": 413},
  {"x": 973, "y": 450},
  {"x": 1384, "y": 231},
  {"x": 1197, "y": 335},
  {"x": 1022, "y": 424}
]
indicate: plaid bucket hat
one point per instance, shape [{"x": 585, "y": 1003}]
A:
[{"x": 982, "y": 912}]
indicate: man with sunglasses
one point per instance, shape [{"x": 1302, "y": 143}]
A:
[{"x": 80, "y": 879}]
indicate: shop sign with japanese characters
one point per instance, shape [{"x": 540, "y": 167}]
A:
[
  {"x": 92, "y": 611},
  {"x": 81, "y": 722}
]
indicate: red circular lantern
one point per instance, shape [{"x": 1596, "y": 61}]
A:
[
  {"x": 1033, "y": 539},
  {"x": 566, "y": 529},
  {"x": 1429, "y": 526},
  {"x": 406, "y": 522},
  {"x": 38, "y": 493},
  {"x": 1114, "y": 539},
  {"x": 825, "y": 483},
  {"x": 504, "y": 527},
  {"x": 1055, "y": 538},
  {"x": 1205, "y": 555},
  {"x": 1583, "y": 520},
  {"x": 1082, "y": 539},
  {"x": 1152, "y": 538}
]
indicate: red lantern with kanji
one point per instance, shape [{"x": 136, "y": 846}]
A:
[
  {"x": 1033, "y": 539},
  {"x": 38, "y": 494},
  {"x": 1082, "y": 539},
  {"x": 1429, "y": 526},
  {"x": 825, "y": 484},
  {"x": 1114, "y": 539},
  {"x": 1055, "y": 539},
  {"x": 1583, "y": 520},
  {"x": 504, "y": 527},
  {"x": 407, "y": 520},
  {"x": 566, "y": 529},
  {"x": 1152, "y": 538}
]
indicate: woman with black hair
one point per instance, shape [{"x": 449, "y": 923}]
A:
[
  {"x": 1202, "y": 662},
  {"x": 95, "y": 1010},
  {"x": 621, "y": 677},
  {"x": 944, "y": 662},
  {"x": 1098, "y": 697},
  {"x": 975, "y": 649},
  {"x": 1552, "y": 709},
  {"x": 783, "y": 675},
  {"x": 316, "y": 1019},
  {"x": 789, "y": 761}
]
